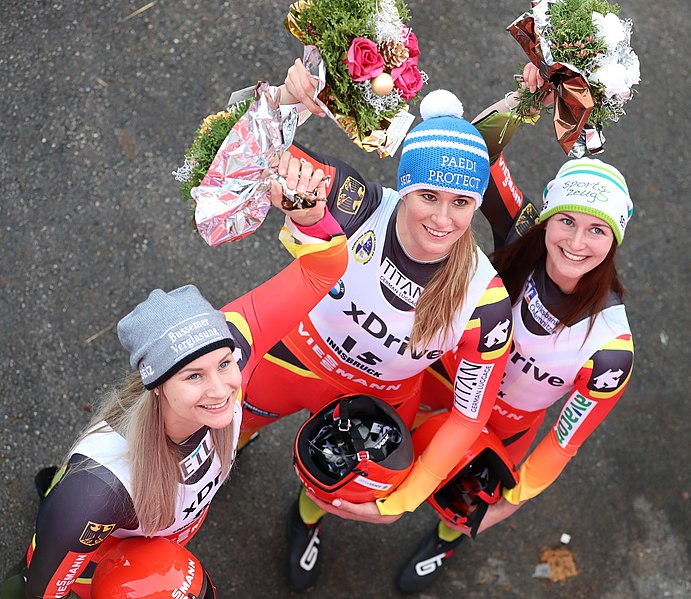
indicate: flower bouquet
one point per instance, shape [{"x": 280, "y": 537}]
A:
[
  {"x": 583, "y": 52},
  {"x": 370, "y": 58},
  {"x": 231, "y": 162},
  {"x": 207, "y": 139}
]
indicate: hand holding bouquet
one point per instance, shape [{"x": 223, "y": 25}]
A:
[
  {"x": 371, "y": 60},
  {"x": 582, "y": 50}
]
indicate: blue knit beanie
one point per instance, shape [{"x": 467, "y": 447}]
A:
[{"x": 444, "y": 152}]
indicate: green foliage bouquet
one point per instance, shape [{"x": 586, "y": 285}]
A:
[
  {"x": 207, "y": 139},
  {"x": 583, "y": 51}
]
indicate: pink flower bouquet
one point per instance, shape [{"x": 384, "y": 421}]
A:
[{"x": 373, "y": 75}]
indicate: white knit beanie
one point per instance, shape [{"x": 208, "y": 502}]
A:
[{"x": 590, "y": 186}]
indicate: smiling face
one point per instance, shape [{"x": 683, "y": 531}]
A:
[
  {"x": 203, "y": 393},
  {"x": 429, "y": 222},
  {"x": 576, "y": 243}
]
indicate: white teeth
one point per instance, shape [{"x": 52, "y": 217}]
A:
[
  {"x": 436, "y": 233},
  {"x": 215, "y": 406},
  {"x": 571, "y": 256}
]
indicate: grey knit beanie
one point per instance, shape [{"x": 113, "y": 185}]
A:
[{"x": 168, "y": 330}]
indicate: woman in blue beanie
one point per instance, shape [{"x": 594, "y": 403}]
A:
[
  {"x": 416, "y": 287},
  {"x": 161, "y": 444}
]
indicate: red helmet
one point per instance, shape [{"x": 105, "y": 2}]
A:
[
  {"x": 476, "y": 481},
  {"x": 357, "y": 448},
  {"x": 150, "y": 568}
]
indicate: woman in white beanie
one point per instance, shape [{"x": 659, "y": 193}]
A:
[
  {"x": 160, "y": 445},
  {"x": 571, "y": 335},
  {"x": 416, "y": 287}
]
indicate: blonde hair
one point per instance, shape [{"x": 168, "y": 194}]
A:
[
  {"x": 135, "y": 412},
  {"x": 444, "y": 295}
]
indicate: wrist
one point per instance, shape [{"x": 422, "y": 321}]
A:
[{"x": 511, "y": 100}]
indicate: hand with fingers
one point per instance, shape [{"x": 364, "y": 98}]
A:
[
  {"x": 300, "y": 87},
  {"x": 362, "y": 512},
  {"x": 299, "y": 190},
  {"x": 531, "y": 81}
]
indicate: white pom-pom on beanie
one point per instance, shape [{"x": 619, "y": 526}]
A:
[
  {"x": 444, "y": 152},
  {"x": 440, "y": 102}
]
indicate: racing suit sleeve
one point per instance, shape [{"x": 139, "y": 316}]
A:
[
  {"x": 78, "y": 514},
  {"x": 506, "y": 210},
  {"x": 266, "y": 314},
  {"x": 479, "y": 361},
  {"x": 598, "y": 386}
]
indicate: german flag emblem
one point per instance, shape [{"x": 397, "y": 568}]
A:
[{"x": 95, "y": 533}]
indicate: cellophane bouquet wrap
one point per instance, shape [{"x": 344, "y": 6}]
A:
[
  {"x": 230, "y": 165},
  {"x": 371, "y": 59},
  {"x": 582, "y": 49}
]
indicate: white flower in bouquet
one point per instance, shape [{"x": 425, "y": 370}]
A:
[
  {"x": 611, "y": 28},
  {"x": 615, "y": 79},
  {"x": 617, "y": 70}
]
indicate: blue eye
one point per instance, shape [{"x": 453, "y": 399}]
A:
[
  {"x": 567, "y": 221},
  {"x": 193, "y": 377},
  {"x": 598, "y": 231},
  {"x": 224, "y": 364}
]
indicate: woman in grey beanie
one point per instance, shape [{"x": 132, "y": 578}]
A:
[{"x": 160, "y": 445}]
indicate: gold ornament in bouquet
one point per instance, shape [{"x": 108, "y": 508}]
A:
[
  {"x": 370, "y": 59},
  {"x": 582, "y": 49}
]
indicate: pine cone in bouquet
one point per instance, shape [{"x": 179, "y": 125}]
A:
[
  {"x": 393, "y": 52},
  {"x": 371, "y": 63}
]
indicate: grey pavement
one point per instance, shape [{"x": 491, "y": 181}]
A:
[{"x": 96, "y": 110}]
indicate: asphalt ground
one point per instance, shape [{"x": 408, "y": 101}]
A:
[{"x": 97, "y": 109}]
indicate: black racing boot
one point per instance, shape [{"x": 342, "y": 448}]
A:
[
  {"x": 303, "y": 551},
  {"x": 427, "y": 563}
]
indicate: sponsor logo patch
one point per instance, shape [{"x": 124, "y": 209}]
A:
[
  {"x": 350, "y": 196},
  {"x": 400, "y": 285},
  {"x": 363, "y": 250},
  {"x": 540, "y": 314},
  {"x": 608, "y": 379},
  {"x": 195, "y": 460},
  {"x": 429, "y": 565},
  {"x": 572, "y": 416},
  {"x": 371, "y": 484},
  {"x": 338, "y": 290},
  {"x": 95, "y": 533},
  {"x": 469, "y": 386}
]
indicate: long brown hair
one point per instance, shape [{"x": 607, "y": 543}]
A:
[
  {"x": 518, "y": 260},
  {"x": 444, "y": 295},
  {"x": 135, "y": 413}
]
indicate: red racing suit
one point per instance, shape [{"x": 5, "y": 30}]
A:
[
  {"x": 356, "y": 339},
  {"x": 90, "y": 507},
  {"x": 589, "y": 368}
]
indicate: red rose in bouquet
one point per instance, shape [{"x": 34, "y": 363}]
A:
[
  {"x": 364, "y": 61},
  {"x": 407, "y": 78}
]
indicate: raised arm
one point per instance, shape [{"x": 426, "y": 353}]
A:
[{"x": 266, "y": 314}]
